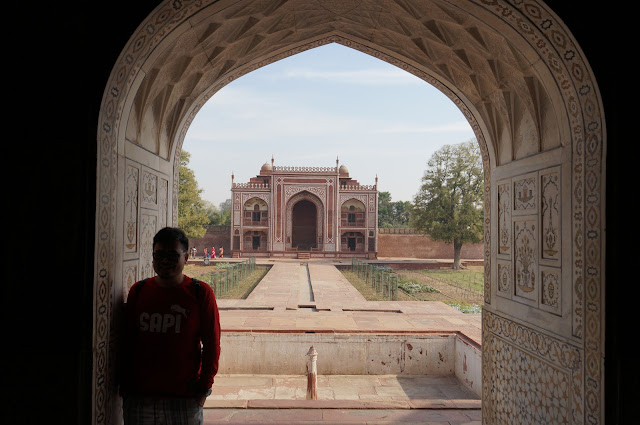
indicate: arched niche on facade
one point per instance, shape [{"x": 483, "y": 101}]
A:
[
  {"x": 523, "y": 84},
  {"x": 353, "y": 205},
  {"x": 256, "y": 212},
  {"x": 255, "y": 240},
  {"x": 256, "y": 204},
  {"x": 353, "y": 213},
  {"x": 352, "y": 241}
]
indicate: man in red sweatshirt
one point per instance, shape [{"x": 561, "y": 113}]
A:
[{"x": 171, "y": 343}]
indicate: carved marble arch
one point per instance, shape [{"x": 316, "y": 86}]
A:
[{"x": 513, "y": 69}]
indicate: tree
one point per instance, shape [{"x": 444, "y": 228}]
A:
[
  {"x": 213, "y": 213},
  {"x": 225, "y": 212},
  {"x": 384, "y": 209},
  {"x": 392, "y": 214},
  {"x": 219, "y": 215},
  {"x": 448, "y": 206},
  {"x": 192, "y": 215},
  {"x": 401, "y": 213}
]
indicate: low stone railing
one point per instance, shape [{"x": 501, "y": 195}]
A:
[
  {"x": 359, "y": 187},
  {"x": 250, "y": 186},
  {"x": 285, "y": 169}
]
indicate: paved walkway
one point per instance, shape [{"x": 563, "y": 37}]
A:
[
  {"x": 313, "y": 296},
  {"x": 277, "y": 304}
]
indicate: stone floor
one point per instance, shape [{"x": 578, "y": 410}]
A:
[
  {"x": 313, "y": 296},
  {"x": 401, "y": 391},
  {"x": 339, "y": 416}
]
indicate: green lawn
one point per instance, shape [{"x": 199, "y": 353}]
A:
[
  {"x": 461, "y": 289},
  {"x": 368, "y": 291},
  {"x": 240, "y": 291},
  {"x": 472, "y": 277}
]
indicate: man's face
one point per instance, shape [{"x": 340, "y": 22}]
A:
[{"x": 169, "y": 260}]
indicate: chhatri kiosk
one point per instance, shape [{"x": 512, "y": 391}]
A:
[{"x": 304, "y": 212}]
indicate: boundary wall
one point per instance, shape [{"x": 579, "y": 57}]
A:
[
  {"x": 216, "y": 236},
  {"x": 392, "y": 243},
  {"x": 409, "y": 243}
]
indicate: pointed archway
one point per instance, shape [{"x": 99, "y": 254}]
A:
[
  {"x": 310, "y": 206},
  {"x": 304, "y": 226},
  {"x": 524, "y": 85}
]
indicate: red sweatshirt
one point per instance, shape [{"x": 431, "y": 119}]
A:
[{"x": 171, "y": 341}]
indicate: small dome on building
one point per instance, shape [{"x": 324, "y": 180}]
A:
[
  {"x": 344, "y": 171},
  {"x": 266, "y": 168}
]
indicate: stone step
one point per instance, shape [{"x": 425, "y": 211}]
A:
[{"x": 337, "y": 416}]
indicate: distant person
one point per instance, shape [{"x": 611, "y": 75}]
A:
[
  {"x": 171, "y": 340},
  {"x": 221, "y": 251},
  {"x": 213, "y": 252},
  {"x": 194, "y": 252},
  {"x": 205, "y": 253}
]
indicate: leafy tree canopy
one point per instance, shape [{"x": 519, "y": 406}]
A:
[
  {"x": 192, "y": 213},
  {"x": 448, "y": 206},
  {"x": 392, "y": 214},
  {"x": 225, "y": 212},
  {"x": 213, "y": 213}
]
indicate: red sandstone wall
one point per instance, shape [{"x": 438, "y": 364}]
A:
[
  {"x": 216, "y": 236},
  {"x": 389, "y": 245},
  {"x": 421, "y": 246}
]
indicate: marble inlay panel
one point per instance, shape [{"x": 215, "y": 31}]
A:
[
  {"x": 149, "y": 189},
  {"x": 526, "y": 278},
  {"x": 132, "y": 174},
  {"x": 551, "y": 296},
  {"x": 504, "y": 218},
  {"x": 550, "y": 215},
  {"x": 525, "y": 194},
  {"x": 149, "y": 227},
  {"x": 505, "y": 286}
]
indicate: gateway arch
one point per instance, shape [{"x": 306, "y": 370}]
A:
[{"x": 526, "y": 89}]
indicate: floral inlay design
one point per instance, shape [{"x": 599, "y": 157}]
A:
[
  {"x": 545, "y": 400},
  {"x": 504, "y": 278},
  {"x": 163, "y": 202},
  {"x": 504, "y": 218},
  {"x": 149, "y": 188},
  {"x": 550, "y": 216},
  {"x": 131, "y": 209},
  {"x": 525, "y": 259},
  {"x": 149, "y": 229},
  {"x": 130, "y": 276},
  {"x": 551, "y": 290}
]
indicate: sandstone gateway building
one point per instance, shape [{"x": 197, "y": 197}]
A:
[{"x": 304, "y": 212}]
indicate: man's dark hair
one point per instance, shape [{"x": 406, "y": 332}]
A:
[{"x": 168, "y": 235}]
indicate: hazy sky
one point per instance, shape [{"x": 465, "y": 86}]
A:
[{"x": 324, "y": 103}]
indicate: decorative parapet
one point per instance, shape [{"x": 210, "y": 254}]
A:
[
  {"x": 250, "y": 186},
  {"x": 358, "y": 188},
  {"x": 285, "y": 169}
]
